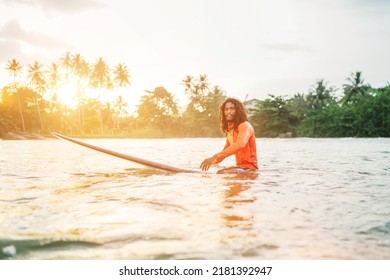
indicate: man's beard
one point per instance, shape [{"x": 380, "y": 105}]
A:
[{"x": 230, "y": 120}]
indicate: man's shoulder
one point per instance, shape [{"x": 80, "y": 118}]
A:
[{"x": 245, "y": 125}]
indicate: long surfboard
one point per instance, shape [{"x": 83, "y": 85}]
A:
[{"x": 127, "y": 157}]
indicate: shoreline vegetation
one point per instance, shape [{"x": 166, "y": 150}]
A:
[
  {"x": 15, "y": 135},
  {"x": 32, "y": 105}
]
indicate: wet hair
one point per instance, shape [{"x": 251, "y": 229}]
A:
[{"x": 240, "y": 116}]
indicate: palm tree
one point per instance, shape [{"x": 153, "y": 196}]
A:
[
  {"x": 203, "y": 83},
  {"x": 81, "y": 70},
  {"x": 67, "y": 63},
  {"x": 320, "y": 95},
  {"x": 187, "y": 82},
  {"x": 122, "y": 76},
  {"x": 53, "y": 82},
  {"x": 99, "y": 79},
  {"x": 36, "y": 75},
  {"x": 119, "y": 104},
  {"x": 196, "y": 89},
  {"x": 14, "y": 68},
  {"x": 54, "y": 79},
  {"x": 122, "y": 79},
  {"x": 354, "y": 88}
]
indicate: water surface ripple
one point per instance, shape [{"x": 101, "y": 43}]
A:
[{"x": 314, "y": 199}]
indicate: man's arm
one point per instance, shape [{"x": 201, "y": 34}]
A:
[
  {"x": 205, "y": 165},
  {"x": 224, "y": 148},
  {"x": 245, "y": 131}
]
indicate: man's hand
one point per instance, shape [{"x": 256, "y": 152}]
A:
[{"x": 207, "y": 163}]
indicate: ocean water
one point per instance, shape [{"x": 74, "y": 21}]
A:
[{"x": 313, "y": 199}]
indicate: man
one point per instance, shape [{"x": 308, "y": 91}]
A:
[{"x": 240, "y": 139}]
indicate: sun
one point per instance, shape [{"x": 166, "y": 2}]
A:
[{"x": 67, "y": 95}]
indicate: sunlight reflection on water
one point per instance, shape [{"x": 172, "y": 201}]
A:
[{"x": 314, "y": 199}]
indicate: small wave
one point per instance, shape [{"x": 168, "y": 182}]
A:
[
  {"x": 131, "y": 238},
  {"x": 19, "y": 200},
  {"x": 295, "y": 210},
  {"x": 364, "y": 173},
  {"x": 14, "y": 249},
  {"x": 258, "y": 250},
  {"x": 378, "y": 229}
]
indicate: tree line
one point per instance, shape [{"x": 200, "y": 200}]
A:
[
  {"x": 31, "y": 104},
  {"x": 361, "y": 111}
]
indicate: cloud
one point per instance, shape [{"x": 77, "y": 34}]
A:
[
  {"x": 8, "y": 47},
  {"x": 62, "y": 6},
  {"x": 13, "y": 31}
]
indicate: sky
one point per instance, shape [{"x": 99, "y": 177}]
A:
[{"x": 250, "y": 48}]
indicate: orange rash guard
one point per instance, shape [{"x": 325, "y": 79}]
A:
[{"x": 242, "y": 144}]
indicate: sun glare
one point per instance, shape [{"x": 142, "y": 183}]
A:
[{"x": 67, "y": 95}]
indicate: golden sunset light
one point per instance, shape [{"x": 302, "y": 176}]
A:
[
  {"x": 183, "y": 139},
  {"x": 249, "y": 49},
  {"x": 111, "y": 63}
]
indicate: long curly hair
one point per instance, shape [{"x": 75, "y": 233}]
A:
[{"x": 240, "y": 116}]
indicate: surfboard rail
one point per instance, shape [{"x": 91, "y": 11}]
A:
[{"x": 138, "y": 160}]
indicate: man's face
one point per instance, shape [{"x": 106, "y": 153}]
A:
[{"x": 230, "y": 111}]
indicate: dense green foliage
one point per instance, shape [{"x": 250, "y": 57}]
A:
[
  {"x": 30, "y": 103},
  {"x": 362, "y": 111},
  {"x": 368, "y": 116}
]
